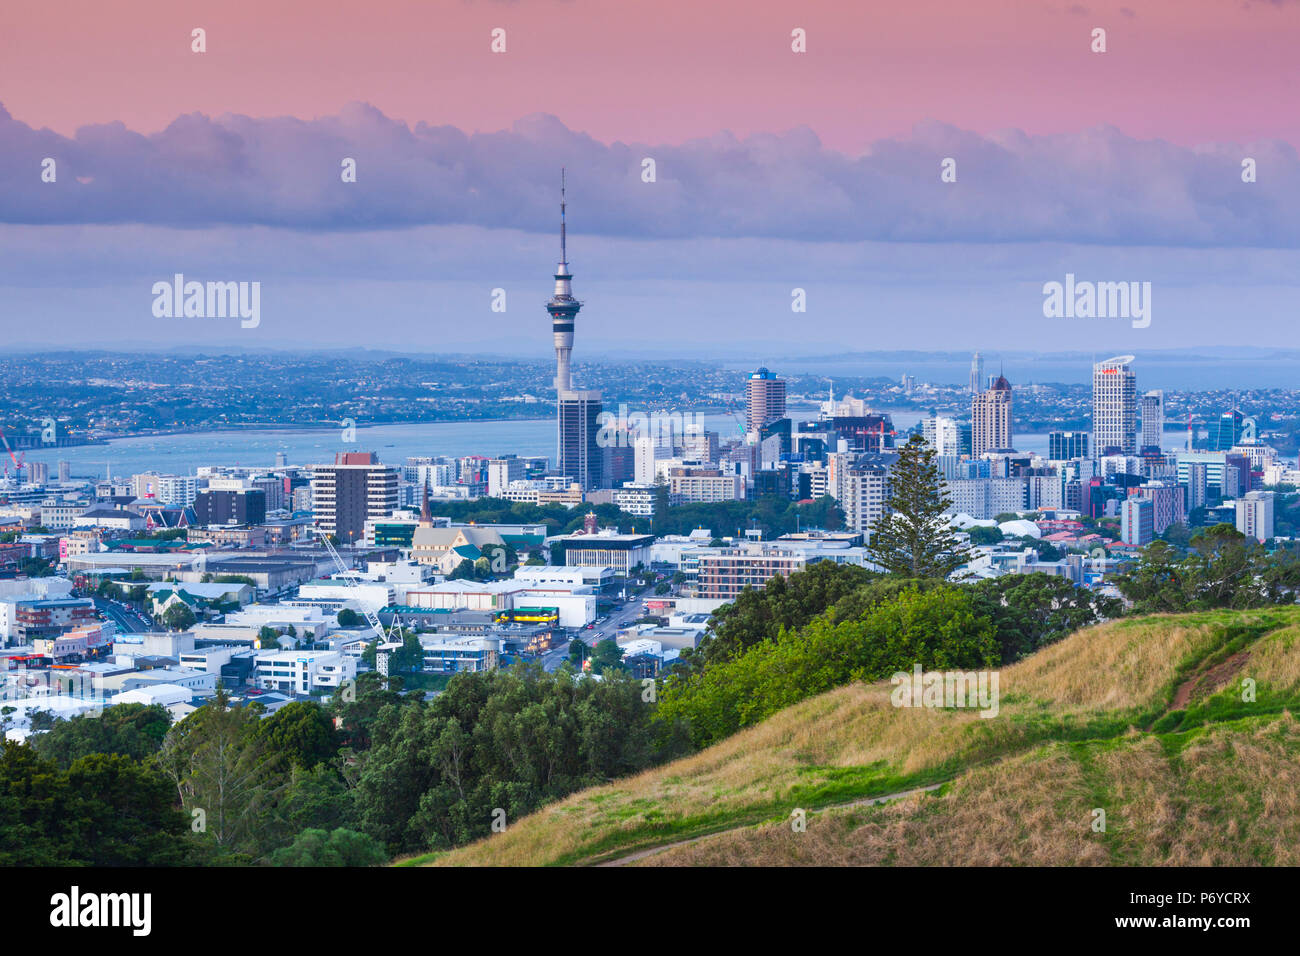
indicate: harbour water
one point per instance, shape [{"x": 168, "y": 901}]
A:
[{"x": 182, "y": 453}]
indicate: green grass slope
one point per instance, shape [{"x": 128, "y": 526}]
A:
[{"x": 1143, "y": 718}]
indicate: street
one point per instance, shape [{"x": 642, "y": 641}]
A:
[
  {"x": 618, "y": 619},
  {"x": 127, "y": 619}
]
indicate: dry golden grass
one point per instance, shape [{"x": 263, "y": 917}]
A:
[
  {"x": 1232, "y": 798},
  {"x": 1275, "y": 661},
  {"x": 1029, "y": 810},
  {"x": 1119, "y": 669}
]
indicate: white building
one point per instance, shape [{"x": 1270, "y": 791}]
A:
[
  {"x": 299, "y": 672},
  {"x": 1255, "y": 515}
]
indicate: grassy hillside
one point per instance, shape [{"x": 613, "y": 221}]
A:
[{"x": 1143, "y": 717}]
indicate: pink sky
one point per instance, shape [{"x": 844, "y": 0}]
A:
[{"x": 664, "y": 71}]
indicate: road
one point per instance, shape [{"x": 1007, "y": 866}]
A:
[
  {"x": 127, "y": 619},
  {"x": 618, "y": 619}
]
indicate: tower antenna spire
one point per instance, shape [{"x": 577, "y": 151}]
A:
[{"x": 564, "y": 255}]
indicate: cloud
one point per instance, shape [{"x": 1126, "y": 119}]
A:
[{"x": 1095, "y": 186}]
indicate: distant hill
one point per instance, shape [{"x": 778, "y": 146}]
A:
[{"x": 1141, "y": 717}]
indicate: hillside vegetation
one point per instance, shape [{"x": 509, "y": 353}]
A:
[{"x": 1141, "y": 717}]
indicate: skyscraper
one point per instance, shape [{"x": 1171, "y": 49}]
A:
[
  {"x": 991, "y": 418},
  {"x": 346, "y": 494},
  {"x": 976, "y": 374},
  {"x": 1114, "y": 407},
  {"x": 764, "y": 399},
  {"x": 577, "y": 411},
  {"x": 1153, "y": 419}
]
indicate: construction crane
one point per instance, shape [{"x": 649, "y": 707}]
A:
[
  {"x": 18, "y": 460},
  {"x": 349, "y": 578}
]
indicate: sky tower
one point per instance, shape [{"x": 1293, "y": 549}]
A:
[
  {"x": 579, "y": 456},
  {"x": 563, "y": 307}
]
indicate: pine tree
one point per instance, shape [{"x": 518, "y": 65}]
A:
[{"x": 914, "y": 537}]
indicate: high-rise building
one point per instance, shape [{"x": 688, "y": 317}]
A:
[
  {"x": 1114, "y": 407},
  {"x": 942, "y": 434},
  {"x": 976, "y": 374},
  {"x": 991, "y": 418},
  {"x": 764, "y": 399},
  {"x": 1225, "y": 431},
  {"x": 1168, "y": 502},
  {"x": 502, "y": 471},
  {"x": 1062, "y": 446},
  {"x": 1255, "y": 515},
  {"x": 1197, "y": 484},
  {"x": 1137, "y": 522},
  {"x": 350, "y": 491},
  {"x": 577, "y": 411},
  {"x": 65, "y": 472},
  {"x": 1153, "y": 419},
  {"x": 579, "y": 453},
  {"x": 862, "y": 490},
  {"x": 230, "y": 507},
  {"x": 38, "y": 472}
]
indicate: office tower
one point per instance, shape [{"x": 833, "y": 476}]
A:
[
  {"x": 1197, "y": 484},
  {"x": 1225, "y": 431},
  {"x": 577, "y": 411},
  {"x": 1255, "y": 515},
  {"x": 245, "y": 506},
  {"x": 38, "y": 472},
  {"x": 1168, "y": 503},
  {"x": 65, "y": 472},
  {"x": 273, "y": 487},
  {"x": 976, "y": 374},
  {"x": 991, "y": 418},
  {"x": 700, "y": 445},
  {"x": 579, "y": 454},
  {"x": 502, "y": 471},
  {"x": 176, "y": 490},
  {"x": 350, "y": 491},
  {"x": 1062, "y": 446},
  {"x": 1137, "y": 522},
  {"x": 1114, "y": 407},
  {"x": 862, "y": 490},
  {"x": 1153, "y": 419},
  {"x": 942, "y": 434},
  {"x": 764, "y": 399},
  {"x": 281, "y": 460},
  {"x": 1237, "y": 479},
  {"x": 620, "y": 464},
  {"x": 648, "y": 451}
]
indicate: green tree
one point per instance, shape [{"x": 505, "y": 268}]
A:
[
  {"x": 914, "y": 537},
  {"x": 339, "y": 847},
  {"x": 221, "y": 768},
  {"x": 980, "y": 535},
  {"x": 1030, "y": 611},
  {"x": 132, "y": 730},
  {"x": 606, "y": 656},
  {"x": 178, "y": 616},
  {"x": 302, "y": 732},
  {"x": 939, "y": 628},
  {"x": 786, "y": 602},
  {"x": 577, "y": 652},
  {"x": 349, "y": 618}
]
